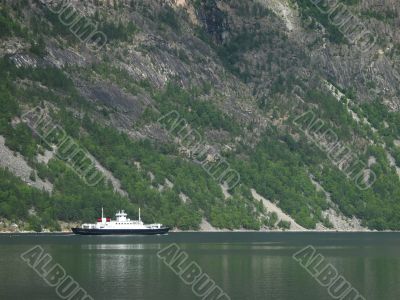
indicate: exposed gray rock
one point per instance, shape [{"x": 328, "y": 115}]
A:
[{"x": 17, "y": 165}]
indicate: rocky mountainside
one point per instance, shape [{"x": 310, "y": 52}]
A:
[{"x": 216, "y": 114}]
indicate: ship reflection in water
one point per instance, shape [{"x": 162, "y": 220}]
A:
[{"x": 245, "y": 265}]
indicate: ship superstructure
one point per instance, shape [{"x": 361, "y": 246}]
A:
[{"x": 121, "y": 225}]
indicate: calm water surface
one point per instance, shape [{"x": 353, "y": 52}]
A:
[{"x": 245, "y": 265}]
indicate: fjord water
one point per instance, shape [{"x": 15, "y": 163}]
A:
[{"x": 244, "y": 265}]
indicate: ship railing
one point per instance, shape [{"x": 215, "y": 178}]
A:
[{"x": 155, "y": 225}]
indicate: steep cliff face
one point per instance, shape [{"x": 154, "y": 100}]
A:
[
  {"x": 300, "y": 101},
  {"x": 354, "y": 43},
  {"x": 213, "y": 20}
]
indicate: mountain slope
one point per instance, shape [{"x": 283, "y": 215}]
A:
[{"x": 270, "y": 91}]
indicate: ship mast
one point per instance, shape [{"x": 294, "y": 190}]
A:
[
  {"x": 102, "y": 213},
  {"x": 139, "y": 215}
]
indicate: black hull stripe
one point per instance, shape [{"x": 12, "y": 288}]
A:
[{"x": 120, "y": 231}]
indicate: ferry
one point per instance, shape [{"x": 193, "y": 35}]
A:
[{"x": 121, "y": 225}]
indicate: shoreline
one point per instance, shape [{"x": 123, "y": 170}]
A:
[{"x": 218, "y": 231}]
